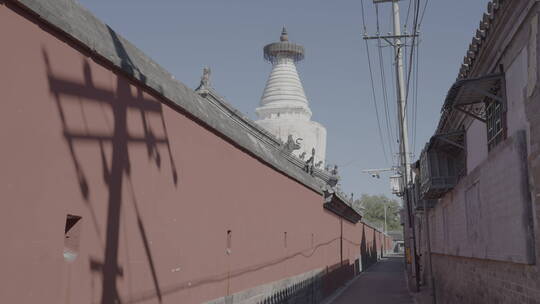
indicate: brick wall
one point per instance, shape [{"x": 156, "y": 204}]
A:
[{"x": 472, "y": 281}]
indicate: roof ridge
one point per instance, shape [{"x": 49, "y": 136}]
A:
[
  {"x": 481, "y": 35},
  {"x": 80, "y": 25}
]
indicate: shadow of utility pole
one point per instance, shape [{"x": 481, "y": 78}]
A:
[{"x": 119, "y": 102}]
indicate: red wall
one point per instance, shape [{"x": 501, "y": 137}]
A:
[{"x": 157, "y": 191}]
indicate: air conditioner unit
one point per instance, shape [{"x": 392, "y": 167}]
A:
[
  {"x": 439, "y": 172},
  {"x": 417, "y": 201}
]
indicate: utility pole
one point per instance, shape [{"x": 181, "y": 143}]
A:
[
  {"x": 404, "y": 165},
  {"x": 402, "y": 110}
]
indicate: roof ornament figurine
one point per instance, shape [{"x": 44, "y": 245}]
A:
[
  {"x": 309, "y": 167},
  {"x": 205, "y": 80},
  {"x": 334, "y": 178},
  {"x": 292, "y": 144},
  {"x": 331, "y": 185}
]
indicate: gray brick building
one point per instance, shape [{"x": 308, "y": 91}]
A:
[{"x": 477, "y": 186}]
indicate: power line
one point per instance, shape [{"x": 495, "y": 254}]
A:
[
  {"x": 408, "y": 12},
  {"x": 363, "y": 16},
  {"x": 423, "y": 13},
  {"x": 384, "y": 86},
  {"x": 405, "y": 25},
  {"x": 412, "y": 58},
  {"x": 416, "y": 72},
  {"x": 373, "y": 84},
  {"x": 416, "y": 95},
  {"x": 394, "y": 94},
  {"x": 416, "y": 8},
  {"x": 413, "y": 44}
]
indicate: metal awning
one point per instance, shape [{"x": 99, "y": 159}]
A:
[
  {"x": 451, "y": 141},
  {"x": 466, "y": 93}
]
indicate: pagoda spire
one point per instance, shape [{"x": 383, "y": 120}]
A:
[
  {"x": 284, "y": 36},
  {"x": 284, "y": 92},
  {"x": 284, "y": 108}
]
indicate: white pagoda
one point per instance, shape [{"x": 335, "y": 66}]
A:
[{"x": 284, "y": 109}]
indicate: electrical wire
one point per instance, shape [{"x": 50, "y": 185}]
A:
[
  {"x": 408, "y": 12},
  {"x": 394, "y": 94},
  {"x": 416, "y": 75},
  {"x": 412, "y": 52},
  {"x": 416, "y": 8},
  {"x": 375, "y": 103},
  {"x": 423, "y": 13},
  {"x": 384, "y": 87},
  {"x": 415, "y": 105},
  {"x": 411, "y": 65},
  {"x": 373, "y": 84},
  {"x": 363, "y": 16}
]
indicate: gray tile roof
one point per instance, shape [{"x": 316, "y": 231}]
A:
[{"x": 84, "y": 28}]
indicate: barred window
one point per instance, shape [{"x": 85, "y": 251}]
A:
[{"x": 495, "y": 122}]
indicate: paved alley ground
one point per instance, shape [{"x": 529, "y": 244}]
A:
[{"x": 383, "y": 283}]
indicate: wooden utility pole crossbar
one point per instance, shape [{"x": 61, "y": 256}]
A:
[{"x": 390, "y": 36}]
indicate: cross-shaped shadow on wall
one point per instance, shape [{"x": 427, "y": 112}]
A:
[{"x": 117, "y": 172}]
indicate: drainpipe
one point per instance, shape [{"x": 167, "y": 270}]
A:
[
  {"x": 341, "y": 241},
  {"x": 428, "y": 240}
]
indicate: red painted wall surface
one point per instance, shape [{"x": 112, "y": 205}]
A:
[{"x": 157, "y": 192}]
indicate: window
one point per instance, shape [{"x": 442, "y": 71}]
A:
[
  {"x": 495, "y": 123},
  {"x": 72, "y": 233},
  {"x": 228, "y": 250}
]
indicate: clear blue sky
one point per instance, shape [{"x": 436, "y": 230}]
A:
[{"x": 228, "y": 35}]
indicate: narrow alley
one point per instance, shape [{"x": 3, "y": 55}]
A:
[
  {"x": 276, "y": 152},
  {"x": 383, "y": 283}
]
